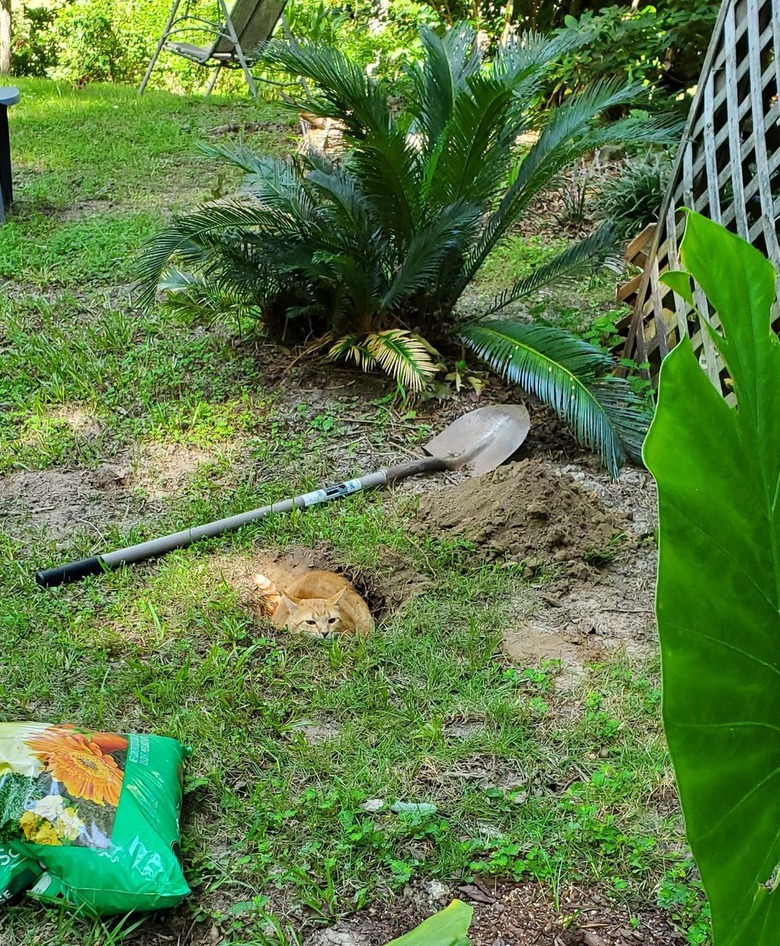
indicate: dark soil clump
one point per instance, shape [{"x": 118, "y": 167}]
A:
[{"x": 522, "y": 511}]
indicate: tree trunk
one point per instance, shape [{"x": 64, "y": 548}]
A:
[{"x": 5, "y": 37}]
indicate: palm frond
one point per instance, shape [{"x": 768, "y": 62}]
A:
[
  {"x": 388, "y": 169},
  {"x": 237, "y": 155},
  {"x": 189, "y": 293},
  {"x": 448, "y": 61},
  {"x": 476, "y": 144},
  {"x": 577, "y": 260},
  {"x": 206, "y": 226},
  {"x": 353, "y": 348},
  {"x": 344, "y": 207},
  {"x": 343, "y": 92},
  {"x": 571, "y": 132},
  {"x": 403, "y": 356},
  {"x": 571, "y": 377},
  {"x": 528, "y": 52},
  {"x": 451, "y": 230}
]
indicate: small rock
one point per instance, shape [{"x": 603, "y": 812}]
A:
[
  {"x": 593, "y": 939},
  {"x": 338, "y": 938},
  {"x": 110, "y": 474},
  {"x": 373, "y": 804},
  {"x": 436, "y": 890}
]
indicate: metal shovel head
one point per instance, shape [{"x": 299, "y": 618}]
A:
[{"x": 482, "y": 439}]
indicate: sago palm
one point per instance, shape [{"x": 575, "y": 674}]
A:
[{"x": 377, "y": 246}]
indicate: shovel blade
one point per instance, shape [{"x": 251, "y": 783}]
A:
[{"x": 481, "y": 440}]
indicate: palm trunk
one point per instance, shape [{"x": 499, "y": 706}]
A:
[{"x": 5, "y": 37}]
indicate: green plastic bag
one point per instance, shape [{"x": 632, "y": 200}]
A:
[{"x": 90, "y": 819}]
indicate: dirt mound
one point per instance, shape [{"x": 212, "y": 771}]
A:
[{"x": 522, "y": 511}]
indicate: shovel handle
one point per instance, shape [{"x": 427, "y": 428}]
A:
[
  {"x": 75, "y": 571},
  {"x": 415, "y": 467}
]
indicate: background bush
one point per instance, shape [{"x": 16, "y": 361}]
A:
[
  {"x": 113, "y": 40},
  {"x": 633, "y": 199},
  {"x": 100, "y": 41}
]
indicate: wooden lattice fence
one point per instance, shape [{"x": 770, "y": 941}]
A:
[{"x": 727, "y": 168}]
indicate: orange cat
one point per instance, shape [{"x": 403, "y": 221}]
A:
[{"x": 322, "y": 604}]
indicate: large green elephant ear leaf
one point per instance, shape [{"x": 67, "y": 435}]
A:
[
  {"x": 718, "y": 475},
  {"x": 448, "y": 927}
]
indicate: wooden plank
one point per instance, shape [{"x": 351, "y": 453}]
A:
[
  {"x": 629, "y": 289},
  {"x": 708, "y": 137},
  {"x": 640, "y": 243},
  {"x": 735, "y": 145}
]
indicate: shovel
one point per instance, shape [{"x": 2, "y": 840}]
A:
[{"x": 480, "y": 440}]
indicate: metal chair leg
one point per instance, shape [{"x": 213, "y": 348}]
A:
[
  {"x": 213, "y": 81},
  {"x": 160, "y": 44},
  {"x": 250, "y": 81},
  {"x": 6, "y": 179}
]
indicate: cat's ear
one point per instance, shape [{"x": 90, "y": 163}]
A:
[
  {"x": 292, "y": 604},
  {"x": 334, "y": 599}
]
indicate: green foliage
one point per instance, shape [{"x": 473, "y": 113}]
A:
[
  {"x": 34, "y": 50},
  {"x": 169, "y": 648},
  {"x": 661, "y": 45},
  {"x": 690, "y": 24},
  {"x": 100, "y": 41},
  {"x": 680, "y": 893},
  {"x": 718, "y": 597},
  {"x": 623, "y": 42},
  {"x": 382, "y": 43},
  {"x": 633, "y": 198},
  {"x": 390, "y": 236},
  {"x": 571, "y": 376},
  {"x": 99, "y": 44}
]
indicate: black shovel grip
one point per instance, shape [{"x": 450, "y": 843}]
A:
[{"x": 74, "y": 571}]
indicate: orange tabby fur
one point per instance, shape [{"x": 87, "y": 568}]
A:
[{"x": 319, "y": 603}]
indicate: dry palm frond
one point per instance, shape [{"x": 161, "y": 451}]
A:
[
  {"x": 353, "y": 348},
  {"x": 398, "y": 352},
  {"x": 403, "y": 356}
]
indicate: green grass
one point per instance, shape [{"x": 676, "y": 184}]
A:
[{"x": 521, "y": 779}]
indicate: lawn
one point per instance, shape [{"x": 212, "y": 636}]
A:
[{"x": 542, "y": 785}]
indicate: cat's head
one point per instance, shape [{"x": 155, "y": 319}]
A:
[{"x": 320, "y": 617}]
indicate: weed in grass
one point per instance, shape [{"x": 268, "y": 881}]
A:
[{"x": 681, "y": 893}]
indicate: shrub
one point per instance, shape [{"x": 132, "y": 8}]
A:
[
  {"x": 100, "y": 41},
  {"x": 97, "y": 44},
  {"x": 633, "y": 198},
  {"x": 35, "y": 46},
  {"x": 377, "y": 249},
  {"x": 623, "y": 42}
]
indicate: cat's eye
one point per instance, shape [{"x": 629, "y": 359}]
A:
[
  {"x": 331, "y": 620},
  {"x": 311, "y": 622}
]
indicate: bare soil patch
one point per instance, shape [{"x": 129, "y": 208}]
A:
[
  {"x": 508, "y": 915},
  {"x": 583, "y": 616},
  {"x": 587, "y": 535},
  {"x": 61, "y": 502},
  {"x": 64, "y": 501},
  {"x": 162, "y": 469}
]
